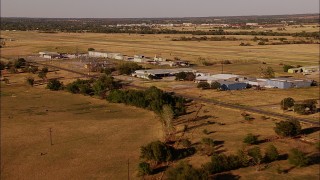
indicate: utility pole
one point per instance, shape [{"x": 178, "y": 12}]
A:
[
  {"x": 128, "y": 171},
  {"x": 50, "y": 131},
  {"x": 221, "y": 67}
]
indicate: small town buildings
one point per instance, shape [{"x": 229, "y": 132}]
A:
[
  {"x": 159, "y": 73},
  {"x": 305, "y": 69},
  {"x": 286, "y": 83},
  {"x": 156, "y": 58},
  {"x": 252, "y": 24},
  {"x": 140, "y": 58}
]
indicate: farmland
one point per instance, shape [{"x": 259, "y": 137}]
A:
[{"x": 94, "y": 139}]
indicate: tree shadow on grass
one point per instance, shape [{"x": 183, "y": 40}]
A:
[
  {"x": 310, "y": 130},
  {"x": 314, "y": 159},
  {"x": 159, "y": 169},
  {"x": 225, "y": 176}
]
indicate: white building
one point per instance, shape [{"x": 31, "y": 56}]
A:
[
  {"x": 160, "y": 72},
  {"x": 98, "y": 54},
  {"x": 49, "y": 55}
]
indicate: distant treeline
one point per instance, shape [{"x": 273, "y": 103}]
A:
[
  {"x": 97, "y": 26},
  {"x": 205, "y": 38}
]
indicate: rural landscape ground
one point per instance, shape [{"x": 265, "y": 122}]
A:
[{"x": 95, "y": 139}]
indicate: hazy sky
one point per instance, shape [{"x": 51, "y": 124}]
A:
[{"x": 153, "y": 8}]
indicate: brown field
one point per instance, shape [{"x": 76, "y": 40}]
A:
[
  {"x": 92, "y": 138},
  {"x": 27, "y": 43}
]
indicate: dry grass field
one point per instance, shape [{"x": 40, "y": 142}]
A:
[
  {"x": 231, "y": 134},
  {"x": 27, "y": 43},
  {"x": 92, "y": 139}
]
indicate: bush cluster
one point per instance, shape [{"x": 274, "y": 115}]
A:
[
  {"x": 97, "y": 87},
  {"x": 185, "y": 76},
  {"x": 128, "y": 68}
]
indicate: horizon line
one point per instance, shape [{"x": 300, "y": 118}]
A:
[{"x": 163, "y": 17}]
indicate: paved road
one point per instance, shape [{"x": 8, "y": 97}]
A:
[{"x": 205, "y": 100}]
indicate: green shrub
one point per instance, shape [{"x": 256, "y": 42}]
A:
[
  {"x": 30, "y": 81},
  {"x": 203, "y": 85},
  {"x": 144, "y": 169},
  {"x": 157, "y": 151},
  {"x": 55, "y": 85},
  {"x": 298, "y": 158},
  {"x": 288, "y": 128},
  {"x": 287, "y": 67},
  {"x": 185, "y": 143},
  {"x": 128, "y": 68},
  {"x": 287, "y": 103},
  {"x": 250, "y": 139},
  {"x": 255, "y": 153},
  {"x": 271, "y": 154},
  {"x": 184, "y": 171},
  {"x": 215, "y": 85},
  {"x": 208, "y": 141}
]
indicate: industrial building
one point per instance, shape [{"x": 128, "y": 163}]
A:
[
  {"x": 98, "y": 54},
  {"x": 159, "y": 73},
  {"x": 216, "y": 77},
  {"x": 49, "y": 55},
  {"x": 231, "y": 85},
  {"x": 286, "y": 83}
]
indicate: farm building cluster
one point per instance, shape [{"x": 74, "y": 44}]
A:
[
  {"x": 226, "y": 81},
  {"x": 237, "y": 82},
  {"x": 138, "y": 58},
  {"x": 156, "y": 60}
]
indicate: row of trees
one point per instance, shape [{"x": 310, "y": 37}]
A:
[
  {"x": 206, "y": 85},
  {"x": 185, "y": 76},
  {"x": 153, "y": 99},
  {"x": 205, "y": 38},
  {"x": 303, "y": 108}
]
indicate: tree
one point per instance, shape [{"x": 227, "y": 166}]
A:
[
  {"x": 2, "y": 65},
  {"x": 157, "y": 151},
  {"x": 30, "y": 81},
  {"x": 144, "y": 169},
  {"x": 288, "y": 128},
  {"x": 167, "y": 116},
  {"x": 19, "y": 63},
  {"x": 184, "y": 171},
  {"x": 215, "y": 85},
  {"x": 255, "y": 153},
  {"x": 203, "y": 85},
  {"x": 250, "y": 139},
  {"x": 298, "y": 158},
  {"x": 128, "y": 68},
  {"x": 103, "y": 84},
  {"x": 181, "y": 76},
  {"x": 287, "y": 103},
  {"x": 42, "y": 75},
  {"x": 287, "y": 67},
  {"x": 91, "y": 49},
  {"x": 267, "y": 72},
  {"x": 54, "y": 85},
  {"x": 45, "y": 69},
  {"x": 271, "y": 154},
  {"x": 190, "y": 76}
]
